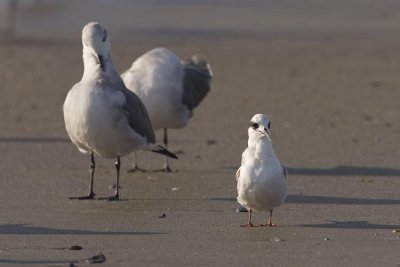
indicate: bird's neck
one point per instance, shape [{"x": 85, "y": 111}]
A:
[
  {"x": 262, "y": 147},
  {"x": 92, "y": 67}
]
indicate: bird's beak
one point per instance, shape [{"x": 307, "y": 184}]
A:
[
  {"x": 101, "y": 61},
  {"x": 264, "y": 132}
]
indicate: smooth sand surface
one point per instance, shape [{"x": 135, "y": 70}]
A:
[
  {"x": 326, "y": 75},
  {"x": 334, "y": 107}
]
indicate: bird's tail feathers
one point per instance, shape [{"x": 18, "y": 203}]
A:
[
  {"x": 199, "y": 62},
  {"x": 162, "y": 150}
]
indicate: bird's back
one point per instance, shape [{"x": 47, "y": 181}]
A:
[
  {"x": 157, "y": 70},
  {"x": 156, "y": 77}
]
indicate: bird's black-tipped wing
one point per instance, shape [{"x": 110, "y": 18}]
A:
[
  {"x": 285, "y": 172},
  {"x": 136, "y": 113},
  {"x": 196, "y": 82}
]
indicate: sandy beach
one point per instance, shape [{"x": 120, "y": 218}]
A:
[{"x": 333, "y": 102}]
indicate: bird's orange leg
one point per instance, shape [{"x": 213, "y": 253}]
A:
[
  {"x": 249, "y": 224},
  {"x": 269, "y": 224}
]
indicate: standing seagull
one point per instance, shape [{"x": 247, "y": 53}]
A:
[
  {"x": 101, "y": 116},
  {"x": 169, "y": 88},
  {"x": 261, "y": 178}
]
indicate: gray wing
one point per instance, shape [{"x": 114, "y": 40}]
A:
[
  {"x": 137, "y": 115},
  {"x": 196, "y": 81}
]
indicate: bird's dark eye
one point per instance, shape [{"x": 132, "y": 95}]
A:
[
  {"x": 254, "y": 125},
  {"x": 269, "y": 125},
  {"x": 104, "y": 35}
]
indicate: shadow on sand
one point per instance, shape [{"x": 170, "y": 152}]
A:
[
  {"x": 22, "y": 229},
  {"x": 302, "y": 199},
  {"x": 351, "y": 225},
  {"x": 343, "y": 170},
  {"x": 34, "y": 140},
  {"x": 37, "y": 262}
]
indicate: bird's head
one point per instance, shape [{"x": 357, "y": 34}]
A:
[
  {"x": 260, "y": 127},
  {"x": 96, "y": 41}
]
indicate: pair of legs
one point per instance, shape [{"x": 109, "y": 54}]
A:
[
  {"x": 166, "y": 167},
  {"x": 250, "y": 224},
  {"x": 91, "y": 194}
]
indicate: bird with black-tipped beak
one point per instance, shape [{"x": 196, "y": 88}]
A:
[
  {"x": 102, "y": 117},
  {"x": 261, "y": 178}
]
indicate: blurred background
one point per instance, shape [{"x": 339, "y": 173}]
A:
[
  {"x": 332, "y": 60},
  {"x": 63, "y": 19}
]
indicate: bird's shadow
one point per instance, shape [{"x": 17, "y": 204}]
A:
[
  {"x": 34, "y": 140},
  {"x": 303, "y": 199},
  {"x": 351, "y": 225},
  {"x": 344, "y": 170},
  {"x": 36, "y": 262},
  {"x": 23, "y": 229},
  {"x": 341, "y": 170}
]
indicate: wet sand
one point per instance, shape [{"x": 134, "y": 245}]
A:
[{"x": 334, "y": 111}]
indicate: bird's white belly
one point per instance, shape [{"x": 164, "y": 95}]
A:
[
  {"x": 165, "y": 108},
  {"x": 258, "y": 192},
  {"x": 97, "y": 127}
]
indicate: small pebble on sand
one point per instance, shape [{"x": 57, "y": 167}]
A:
[
  {"x": 99, "y": 258},
  {"x": 75, "y": 247},
  {"x": 276, "y": 239},
  {"x": 211, "y": 142}
]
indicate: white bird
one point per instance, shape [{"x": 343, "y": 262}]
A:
[
  {"x": 102, "y": 117},
  {"x": 169, "y": 88},
  {"x": 261, "y": 178}
]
